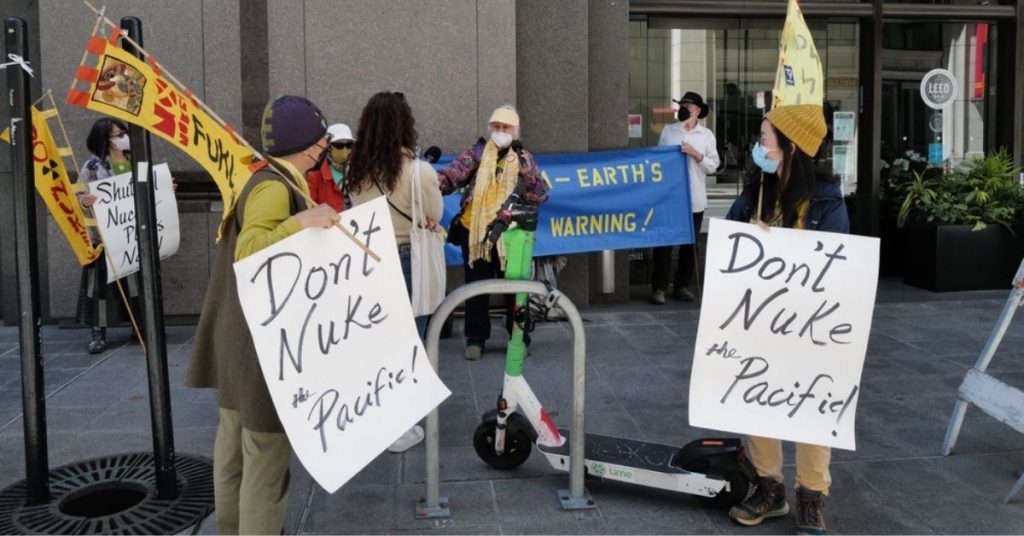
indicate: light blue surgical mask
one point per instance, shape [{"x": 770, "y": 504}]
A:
[{"x": 761, "y": 160}]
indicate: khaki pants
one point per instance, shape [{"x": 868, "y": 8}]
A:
[
  {"x": 811, "y": 462},
  {"x": 250, "y": 478}
]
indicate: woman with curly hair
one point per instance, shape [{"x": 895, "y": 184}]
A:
[{"x": 383, "y": 162}]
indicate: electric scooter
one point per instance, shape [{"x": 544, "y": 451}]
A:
[{"x": 716, "y": 470}]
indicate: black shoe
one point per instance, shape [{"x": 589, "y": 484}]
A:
[{"x": 98, "y": 341}]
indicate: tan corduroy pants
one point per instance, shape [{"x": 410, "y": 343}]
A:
[
  {"x": 250, "y": 477},
  {"x": 811, "y": 462}
]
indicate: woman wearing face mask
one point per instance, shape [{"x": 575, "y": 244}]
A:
[
  {"x": 788, "y": 192},
  {"x": 327, "y": 180},
  {"x": 100, "y": 304},
  {"x": 488, "y": 172}
]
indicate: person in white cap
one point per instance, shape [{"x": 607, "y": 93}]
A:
[
  {"x": 327, "y": 180},
  {"x": 488, "y": 172}
]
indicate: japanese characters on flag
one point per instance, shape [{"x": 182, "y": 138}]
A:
[
  {"x": 118, "y": 84},
  {"x": 783, "y": 332},
  {"x": 337, "y": 343}
]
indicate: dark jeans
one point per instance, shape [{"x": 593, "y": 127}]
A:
[
  {"x": 663, "y": 261},
  {"x": 478, "y": 320},
  {"x": 405, "y": 258}
]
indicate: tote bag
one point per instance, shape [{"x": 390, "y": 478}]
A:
[{"x": 427, "y": 253}]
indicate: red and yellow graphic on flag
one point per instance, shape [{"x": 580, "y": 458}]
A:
[
  {"x": 799, "y": 78},
  {"x": 123, "y": 86},
  {"x": 54, "y": 186}
]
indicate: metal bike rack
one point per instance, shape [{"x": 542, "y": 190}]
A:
[{"x": 436, "y": 506}]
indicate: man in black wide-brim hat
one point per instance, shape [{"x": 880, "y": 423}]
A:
[{"x": 699, "y": 145}]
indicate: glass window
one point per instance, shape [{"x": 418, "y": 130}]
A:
[
  {"x": 732, "y": 64},
  {"x": 911, "y": 130}
]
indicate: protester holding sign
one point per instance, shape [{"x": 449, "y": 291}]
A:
[
  {"x": 99, "y": 304},
  {"x": 252, "y": 453},
  {"x": 789, "y": 193},
  {"x": 698, "y": 143},
  {"x": 327, "y": 180},
  {"x": 382, "y": 164},
  {"x": 488, "y": 171}
]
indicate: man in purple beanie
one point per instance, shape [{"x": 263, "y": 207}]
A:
[{"x": 251, "y": 454}]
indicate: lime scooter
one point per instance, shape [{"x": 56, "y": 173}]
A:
[{"x": 716, "y": 470}]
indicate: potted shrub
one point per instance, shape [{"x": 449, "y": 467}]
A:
[
  {"x": 896, "y": 177},
  {"x": 962, "y": 229}
]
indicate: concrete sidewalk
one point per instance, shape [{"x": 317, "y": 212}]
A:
[{"x": 638, "y": 374}]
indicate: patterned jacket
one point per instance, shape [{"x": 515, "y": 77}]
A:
[{"x": 461, "y": 173}]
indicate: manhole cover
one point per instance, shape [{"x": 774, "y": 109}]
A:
[{"x": 115, "y": 494}]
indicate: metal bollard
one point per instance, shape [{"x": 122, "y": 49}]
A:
[{"x": 433, "y": 505}]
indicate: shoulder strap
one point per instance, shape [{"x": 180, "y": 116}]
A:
[
  {"x": 266, "y": 174},
  {"x": 388, "y": 199}
]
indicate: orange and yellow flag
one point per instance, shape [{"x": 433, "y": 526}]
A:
[
  {"x": 120, "y": 85},
  {"x": 799, "y": 78},
  {"x": 58, "y": 192}
]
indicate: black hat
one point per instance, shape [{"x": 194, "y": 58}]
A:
[{"x": 693, "y": 98}]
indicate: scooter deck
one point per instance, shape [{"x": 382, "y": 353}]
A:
[{"x": 622, "y": 451}]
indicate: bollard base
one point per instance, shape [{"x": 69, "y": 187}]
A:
[
  {"x": 582, "y": 503},
  {"x": 438, "y": 512},
  {"x": 114, "y": 494}
]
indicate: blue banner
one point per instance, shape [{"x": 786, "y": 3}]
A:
[{"x": 634, "y": 198}]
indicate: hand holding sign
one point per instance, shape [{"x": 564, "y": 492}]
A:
[{"x": 337, "y": 342}]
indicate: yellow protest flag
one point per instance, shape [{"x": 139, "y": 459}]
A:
[
  {"x": 799, "y": 78},
  {"x": 53, "y": 183},
  {"x": 120, "y": 85},
  {"x": 5, "y": 136}
]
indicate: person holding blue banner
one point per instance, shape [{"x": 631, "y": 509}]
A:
[
  {"x": 488, "y": 172},
  {"x": 789, "y": 193},
  {"x": 699, "y": 144}
]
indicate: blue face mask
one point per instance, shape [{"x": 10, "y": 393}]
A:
[{"x": 761, "y": 160}]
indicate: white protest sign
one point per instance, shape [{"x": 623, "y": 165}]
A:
[
  {"x": 337, "y": 343},
  {"x": 783, "y": 332},
  {"x": 115, "y": 216}
]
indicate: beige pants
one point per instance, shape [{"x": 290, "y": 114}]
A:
[
  {"x": 250, "y": 478},
  {"x": 811, "y": 462}
]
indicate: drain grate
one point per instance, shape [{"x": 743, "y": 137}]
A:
[{"x": 112, "y": 495}]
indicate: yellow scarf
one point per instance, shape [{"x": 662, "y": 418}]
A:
[{"x": 491, "y": 188}]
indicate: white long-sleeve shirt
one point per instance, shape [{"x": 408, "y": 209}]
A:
[{"x": 703, "y": 140}]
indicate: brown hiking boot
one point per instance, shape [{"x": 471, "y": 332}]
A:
[
  {"x": 810, "y": 518},
  {"x": 768, "y": 500}
]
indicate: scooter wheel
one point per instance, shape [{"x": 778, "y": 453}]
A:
[
  {"x": 517, "y": 446},
  {"x": 739, "y": 487}
]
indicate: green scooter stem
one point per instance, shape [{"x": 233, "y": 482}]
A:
[{"x": 518, "y": 266}]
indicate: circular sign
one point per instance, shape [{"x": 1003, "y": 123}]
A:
[{"x": 938, "y": 88}]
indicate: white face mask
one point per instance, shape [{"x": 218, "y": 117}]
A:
[
  {"x": 501, "y": 139},
  {"x": 121, "y": 144}
]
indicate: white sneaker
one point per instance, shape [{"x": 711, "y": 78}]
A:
[{"x": 408, "y": 440}]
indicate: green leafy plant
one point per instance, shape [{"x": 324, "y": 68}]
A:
[{"x": 981, "y": 191}]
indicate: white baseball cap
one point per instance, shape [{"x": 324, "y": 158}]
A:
[{"x": 339, "y": 131}]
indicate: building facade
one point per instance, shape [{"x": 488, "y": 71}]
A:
[{"x": 580, "y": 72}]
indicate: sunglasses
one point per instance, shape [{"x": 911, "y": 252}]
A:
[{"x": 343, "y": 145}]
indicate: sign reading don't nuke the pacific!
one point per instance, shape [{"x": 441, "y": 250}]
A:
[{"x": 123, "y": 86}]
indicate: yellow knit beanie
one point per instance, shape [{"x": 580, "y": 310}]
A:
[{"x": 804, "y": 124}]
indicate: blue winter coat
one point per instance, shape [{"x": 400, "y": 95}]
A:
[{"x": 826, "y": 212}]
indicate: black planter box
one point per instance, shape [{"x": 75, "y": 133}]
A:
[{"x": 946, "y": 258}]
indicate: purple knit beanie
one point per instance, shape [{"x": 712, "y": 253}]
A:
[{"x": 290, "y": 125}]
